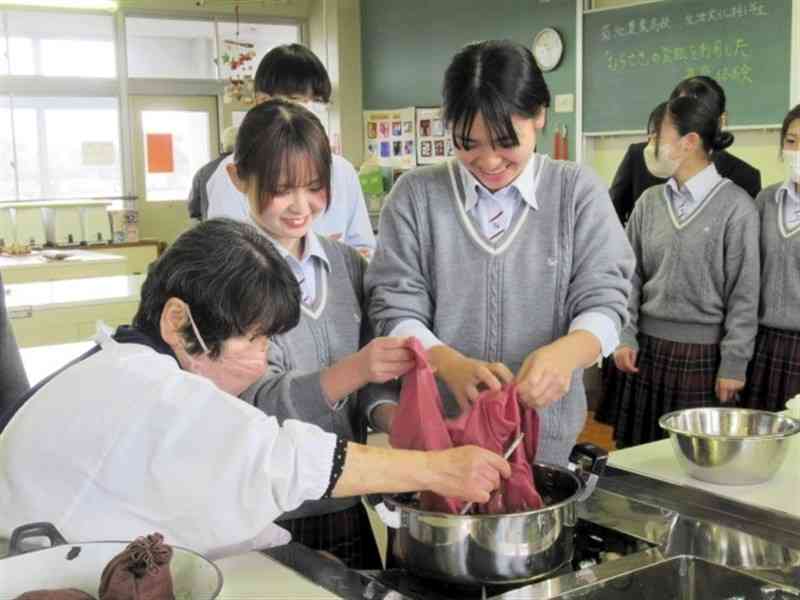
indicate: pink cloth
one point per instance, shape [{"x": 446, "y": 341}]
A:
[{"x": 494, "y": 422}]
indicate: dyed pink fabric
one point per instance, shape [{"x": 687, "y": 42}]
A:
[{"x": 493, "y": 423}]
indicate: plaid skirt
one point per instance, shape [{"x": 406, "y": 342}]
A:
[
  {"x": 346, "y": 534},
  {"x": 773, "y": 376},
  {"x": 612, "y": 379},
  {"x": 672, "y": 376}
]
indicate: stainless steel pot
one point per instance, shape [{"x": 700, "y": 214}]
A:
[
  {"x": 80, "y": 566},
  {"x": 497, "y": 549}
]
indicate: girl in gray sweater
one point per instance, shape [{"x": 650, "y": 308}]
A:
[
  {"x": 693, "y": 310},
  {"x": 774, "y": 374},
  {"x": 329, "y": 370},
  {"x": 508, "y": 266}
]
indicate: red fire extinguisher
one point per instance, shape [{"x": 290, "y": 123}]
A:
[{"x": 561, "y": 143}]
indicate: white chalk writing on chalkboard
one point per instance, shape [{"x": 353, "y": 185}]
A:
[
  {"x": 711, "y": 50},
  {"x": 643, "y": 26}
]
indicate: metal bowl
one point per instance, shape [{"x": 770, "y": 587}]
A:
[{"x": 729, "y": 446}]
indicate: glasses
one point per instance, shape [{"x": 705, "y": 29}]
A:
[{"x": 196, "y": 331}]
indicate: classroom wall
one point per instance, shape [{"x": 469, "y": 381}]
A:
[{"x": 407, "y": 45}]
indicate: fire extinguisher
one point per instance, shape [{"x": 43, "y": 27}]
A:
[{"x": 561, "y": 143}]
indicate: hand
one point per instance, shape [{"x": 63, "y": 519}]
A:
[
  {"x": 385, "y": 358},
  {"x": 545, "y": 375},
  {"x": 466, "y": 376},
  {"x": 625, "y": 360},
  {"x": 468, "y": 473},
  {"x": 727, "y": 389}
]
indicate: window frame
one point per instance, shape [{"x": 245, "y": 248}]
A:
[{"x": 123, "y": 87}]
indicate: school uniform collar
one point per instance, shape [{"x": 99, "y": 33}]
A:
[
  {"x": 524, "y": 185},
  {"x": 787, "y": 190},
  {"x": 312, "y": 249},
  {"x": 698, "y": 186}
]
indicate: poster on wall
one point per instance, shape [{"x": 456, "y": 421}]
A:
[
  {"x": 389, "y": 137},
  {"x": 434, "y": 143}
]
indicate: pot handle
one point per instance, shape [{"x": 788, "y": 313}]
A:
[
  {"x": 33, "y": 530},
  {"x": 589, "y": 462}
]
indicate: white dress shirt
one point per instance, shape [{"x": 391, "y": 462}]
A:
[
  {"x": 687, "y": 199},
  {"x": 306, "y": 270},
  {"x": 494, "y": 211},
  {"x": 125, "y": 443},
  {"x": 790, "y": 199},
  {"x": 346, "y": 219}
]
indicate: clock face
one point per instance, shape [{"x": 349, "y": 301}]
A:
[{"x": 548, "y": 48}]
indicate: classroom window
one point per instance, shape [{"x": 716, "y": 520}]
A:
[
  {"x": 66, "y": 45},
  {"x": 60, "y": 148},
  {"x": 170, "y": 48}
]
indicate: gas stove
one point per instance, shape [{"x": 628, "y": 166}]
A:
[{"x": 593, "y": 545}]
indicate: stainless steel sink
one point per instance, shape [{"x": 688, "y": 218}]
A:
[{"x": 683, "y": 578}]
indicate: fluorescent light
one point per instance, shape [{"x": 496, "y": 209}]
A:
[{"x": 74, "y": 4}]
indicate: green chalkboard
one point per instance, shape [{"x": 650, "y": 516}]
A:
[{"x": 634, "y": 56}]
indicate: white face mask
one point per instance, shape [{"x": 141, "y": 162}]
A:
[
  {"x": 791, "y": 165},
  {"x": 661, "y": 166},
  {"x": 232, "y": 372}
]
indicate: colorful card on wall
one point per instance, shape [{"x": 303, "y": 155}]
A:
[
  {"x": 389, "y": 137},
  {"x": 160, "y": 158},
  {"x": 434, "y": 143}
]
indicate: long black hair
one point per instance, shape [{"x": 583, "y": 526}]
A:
[
  {"x": 497, "y": 79},
  {"x": 280, "y": 141},
  {"x": 691, "y": 115},
  {"x": 703, "y": 88},
  {"x": 232, "y": 278}
]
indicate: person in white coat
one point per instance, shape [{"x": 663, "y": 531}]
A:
[
  {"x": 145, "y": 431},
  {"x": 292, "y": 72}
]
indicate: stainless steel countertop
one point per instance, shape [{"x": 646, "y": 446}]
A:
[{"x": 697, "y": 537}]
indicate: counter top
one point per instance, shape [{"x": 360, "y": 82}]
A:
[
  {"x": 657, "y": 460},
  {"x": 255, "y": 575},
  {"x": 37, "y": 260},
  {"x": 41, "y": 361},
  {"x": 42, "y": 295}
]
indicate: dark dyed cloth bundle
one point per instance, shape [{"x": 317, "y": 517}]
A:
[
  {"x": 61, "y": 594},
  {"x": 140, "y": 572},
  {"x": 494, "y": 422}
]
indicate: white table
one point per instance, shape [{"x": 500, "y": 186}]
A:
[
  {"x": 41, "y": 361},
  {"x": 657, "y": 461},
  {"x": 80, "y": 263}
]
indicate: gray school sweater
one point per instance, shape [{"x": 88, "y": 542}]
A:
[
  {"x": 780, "y": 266},
  {"x": 335, "y": 327},
  {"x": 697, "y": 282},
  {"x": 500, "y": 302}
]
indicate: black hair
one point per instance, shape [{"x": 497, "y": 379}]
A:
[
  {"x": 703, "y": 88},
  {"x": 278, "y": 138},
  {"x": 792, "y": 115},
  {"x": 498, "y": 79},
  {"x": 656, "y": 118},
  {"x": 293, "y": 70},
  {"x": 233, "y": 279},
  {"x": 691, "y": 115}
]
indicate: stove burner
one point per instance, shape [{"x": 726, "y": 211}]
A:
[{"x": 593, "y": 544}]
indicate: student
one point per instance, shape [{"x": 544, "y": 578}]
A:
[
  {"x": 293, "y": 72},
  {"x": 198, "y": 196},
  {"x": 774, "y": 374},
  {"x": 144, "y": 432},
  {"x": 507, "y": 265},
  {"x": 324, "y": 370},
  {"x": 633, "y": 177},
  {"x": 693, "y": 310},
  {"x": 13, "y": 380}
]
